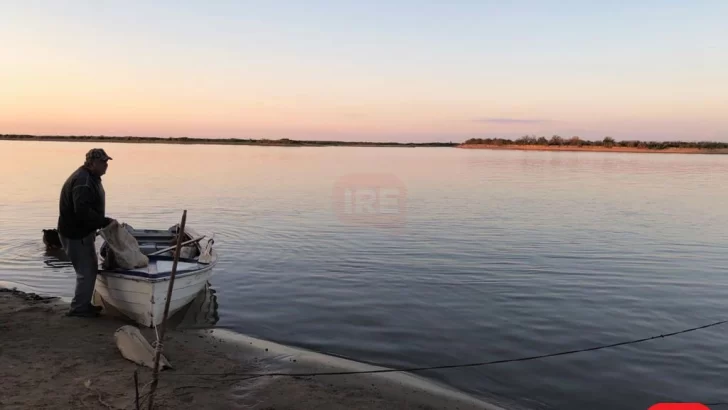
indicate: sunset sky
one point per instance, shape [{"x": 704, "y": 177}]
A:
[{"x": 366, "y": 70}]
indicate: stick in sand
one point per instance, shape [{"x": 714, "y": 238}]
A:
[
  {"x": 136, "y": 388},
  {"x": 158, "y": 348}
]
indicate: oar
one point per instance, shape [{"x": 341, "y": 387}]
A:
[{"x": 161, "y": 251}]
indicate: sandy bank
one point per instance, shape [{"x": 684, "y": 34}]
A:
[
  {"x": 594, "y": 149},
  {"x": 47, "y": 361}
]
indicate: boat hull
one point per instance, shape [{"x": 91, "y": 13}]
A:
[
  {"x": 141, "y": 294},
  {"x": 142, "y": 300}
]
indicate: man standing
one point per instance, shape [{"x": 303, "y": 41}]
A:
[{"x": 82, "y": 211}]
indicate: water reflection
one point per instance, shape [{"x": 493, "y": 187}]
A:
[
  {"x": 56, "y": 259},
  {"x": 202, "y": 312}
]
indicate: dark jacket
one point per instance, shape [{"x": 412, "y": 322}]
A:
[{"x": 82, "y": 205}]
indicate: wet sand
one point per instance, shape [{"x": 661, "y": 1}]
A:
[
  {"x": 48, "y": 360},
  {"x": 594, "y": 149}
]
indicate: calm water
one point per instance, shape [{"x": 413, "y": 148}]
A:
[{"x": 490, "y": 255}]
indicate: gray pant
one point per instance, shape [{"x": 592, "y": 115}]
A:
[{"x": 82, "y": 253}]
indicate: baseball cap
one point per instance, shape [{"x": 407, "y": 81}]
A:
[{"x": 97, "y": 153}]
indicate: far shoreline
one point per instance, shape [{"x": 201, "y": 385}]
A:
[
  {"x": 567, "y": 148},
  {"x": 500, "y": 144},
  {"x": 284, "y": 142}
]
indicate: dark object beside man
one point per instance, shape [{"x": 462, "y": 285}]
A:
[{"x": 51, "y": 239}]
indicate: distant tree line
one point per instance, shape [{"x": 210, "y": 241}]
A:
[
  {"x": 607, "y": 142},
  {"x": 216, "y": 141},
  {"x": 555, "y": 140}
]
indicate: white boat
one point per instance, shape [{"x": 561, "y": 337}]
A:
[{"x": 141, "y": 293}]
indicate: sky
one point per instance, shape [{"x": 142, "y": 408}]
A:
[{"x": 409, "y": 71}]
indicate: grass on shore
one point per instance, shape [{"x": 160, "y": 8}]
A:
[{"x": 607, "y": 142}]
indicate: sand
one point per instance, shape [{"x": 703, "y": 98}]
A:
[
  {"x": 48, "y": 360},
  {"x": 594, "y": 149}
]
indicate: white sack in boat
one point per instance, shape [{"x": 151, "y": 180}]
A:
[
  {"x": 123, "y": 249},
  {"x": 134, "y": 347}
]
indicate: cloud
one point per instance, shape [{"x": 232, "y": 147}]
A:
[{"x": 512, "y": 120}]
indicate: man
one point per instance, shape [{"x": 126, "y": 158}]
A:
[{"x": 82, "y": 211}]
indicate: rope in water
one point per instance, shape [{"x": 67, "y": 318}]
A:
[
  {"x": 248, "y": 376},
  {"x": 453, "y": 366}
]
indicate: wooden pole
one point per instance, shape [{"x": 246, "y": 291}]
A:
[
  {"x": 136, "y": 388},
  {"x": 163, "y": 327}
]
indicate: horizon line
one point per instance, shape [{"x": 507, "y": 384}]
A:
[{"x": 290, "y": 141}]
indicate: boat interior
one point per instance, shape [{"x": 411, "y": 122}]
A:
[
  {"x": 156, "y": 240},
  {"x": 158, "y": 245}
]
